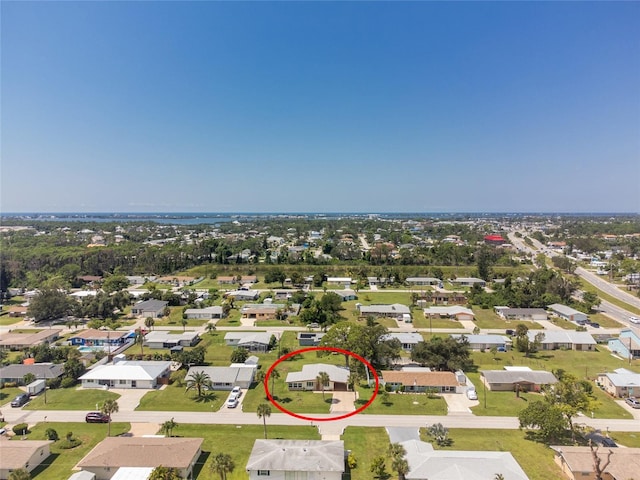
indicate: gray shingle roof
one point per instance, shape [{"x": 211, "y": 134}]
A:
[{"x": 297, "y": 455}]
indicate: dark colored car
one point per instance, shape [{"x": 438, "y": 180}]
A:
[
  {"x": 20, "y": 400},
  {"x": 608, "y": 442},
  {"x": 96, "y": 417}
]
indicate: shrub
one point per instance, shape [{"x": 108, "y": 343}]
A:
[
  {"x": 67, "y": 382},
  {"x": 51, "y": 434},
  {"x": 54, "y": 383},
  {"x": 69, "y": 442},
  {"x": 21, "y": 429},
  {"x": 352, "y": 461},
  {"x": 10, "y": 385}
]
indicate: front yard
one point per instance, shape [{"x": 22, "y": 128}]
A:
[{"x": 71, "y": 399}]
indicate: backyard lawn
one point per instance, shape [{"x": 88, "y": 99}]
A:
[
  {"x": 365, "y": 444},
  {"x": 60, "y": 463},
  {"x": 236, "y": 441},
  {"x": 71, "y": 399}
]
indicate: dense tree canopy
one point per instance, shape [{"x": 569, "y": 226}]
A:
[
  {"x": 50, "y": 304},
  {"x": 443, "y": 353}
]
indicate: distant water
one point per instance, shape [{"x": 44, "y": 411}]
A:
[{"x": 187, "y": 218}]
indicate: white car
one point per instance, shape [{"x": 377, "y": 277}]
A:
[
  {"x": 472, "y": 395},
  {"x": 237, "y": 391},
  {"x": 635, "y": 320},
  {"x": 232, "y": 402}
]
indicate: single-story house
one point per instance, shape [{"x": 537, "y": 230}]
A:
[
  {"x": 16, "y": 372},
  {"x": 509, "y": 380},
  {"x": 395, "y": 310},
  {"x": 425, "y": 463},
  {"x": 423, "y": 281},
  {"x": 20, "y": 341},
  {"x": 445, "y": 298},
  {"x": 530, "y": 314},
  {"x": 226, "y": 280},
  {"x": 296, "y": 459},
  {"x": 128, "y": 374},
  {"x": 282, "y": 293},
  {"x": 243, "y": 295},
  {"x": 627, "y": 344},
  {"x": 407, "y": 339},
  {"x": 208, "y": 313},
  {"x": 568, "y": 313},
  {"x": 564, "y": 339},
  {"x": 268, "y": 311},
  {"x": 346, "y": 281},
  {"x": 139, "y": 279},
  {"x": 420, "y": 380},
  {"x": 225, "y": 378},
  {"x": 468, "y": 282},
  {"x": 484, "y": 342},
  {"x": 577, "y": 462},
  {"x": 16, "y": 311},
  {"x": 95, "y": 337},
  {"x": 620, "y": 383},
  {"x": 248, "y": 279},
  {"x": 26, "y": 454},
  {"x": 113, "y": 453},
  {"x": 149, "y": 308},
  {"x": 346, "y": 294},
  {"x": 307, "y": 378},
  {"x": 454, "y": 311},
  {"x": 252, "y": 341},
  {"x": 309, "y": 339},
  {"x": 170, "y": 339}
]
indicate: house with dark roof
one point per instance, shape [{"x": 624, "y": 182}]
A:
[
  {"x": 149, "y": 308},
  {"x": 15, "y": 373},
  {"x": 309, "y": 339},
  {"x": 95, "y": 337},
  {"x": 296, "y": 459}
]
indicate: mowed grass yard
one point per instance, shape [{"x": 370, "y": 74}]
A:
[
  {"x": 71, "y": 399},
  {"x": 487, "y": 318},
  {"x": 60, "y": 463},
  {"x": 401, "y": 403},
  {"x": 584, "y": 365},
  {"x": 236, "y": 441}
]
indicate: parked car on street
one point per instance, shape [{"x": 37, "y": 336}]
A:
[
  {"x": 633, "y": 401},
  {"x": 20, "y": 400},
  {"x": 96, "y": 417}
]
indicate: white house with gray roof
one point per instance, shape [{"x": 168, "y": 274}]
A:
[
  {"x": 127, "y": 374},
  {"x": 296, "y": 460},
  {"x": 252, "y": 341},
  {"x": 170, "y": 339},
  {"x": 395, "y": 310},
  {"x": 468, "y": 281},
  {"x": 523, "y": 379},
  {"x": 225, "y": 378},
  {"x": 149, "y": 308},
  {"x": 564, "y": 339},
  {"x": 620, "y": 383},
  {"x": 307, "y": 378},
  {"x": 425, "y": 463},
  {"x": 423, "y": 281},
  {"x": 208, "y": 313},
  {"x": 530, "y": 314},
  {"x": 568, "y": 313},
  {"x": 407, "y": 339},
  {"x": 484, "y": 341}
]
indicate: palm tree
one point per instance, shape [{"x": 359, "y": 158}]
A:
[
  {"x": 354, "y": 381},
  {"x": 109, "y": 407},
  {"x": 275, "y": 374},
  {"x": 264, "y": 411},
  {"x": 211, "y": 327},
  {"x": 498, "y": 476},
  {"x": 139, "y": 339},
  {"x": 149, "y": 322},
  {"x": 168, "y": 426},
  {"x": 396, "y": 450},
  {"x": 198, "y": 381},
  {"x": 323, "y": 380},
  {"x": 222, "y": 464},
  {"x": 401, "y": 466},
  {"x": 165, "y": 473}
]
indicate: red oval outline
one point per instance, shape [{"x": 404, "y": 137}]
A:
[{"x": 329, "y": 349}]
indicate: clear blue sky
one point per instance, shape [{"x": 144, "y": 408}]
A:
[{"x": 323, "y": 107}]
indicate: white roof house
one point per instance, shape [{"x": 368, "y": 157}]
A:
[
  {"x": 620, "y": 383},
  {"x": 208, "y": 313},
  {"x": 407, "y": 339},
  {"x": 252, "y": 341},
  {"x": 568, "y": 313},
  {"x": 427, "y": 463},
  {"x": 449, "y": 311},
  {"x": 307, "y": 378},
  {"x": 570, "y": 339},
  {"x": 225, "y": 378},
  {"x": 393, "y": 310},
  {"x": 296, "y": 459},
  {"x": 168, "y": 339},
  {"x": 126, "y": 374}
]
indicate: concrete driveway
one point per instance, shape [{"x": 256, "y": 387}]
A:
[
  {"x": 342, "y": 402},
  {"x": 129, "y": 397},
  {"x": 458, "y": 403}
]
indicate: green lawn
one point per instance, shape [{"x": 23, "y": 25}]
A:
[
  {"x": 582, "y": 364},
  {"x": 628, "y": 439},
  {"x": 536, "y": 459},
  {"x": 419, "y": 321},
  {"x": 175, "y": 319},
  {"x": 9, "y": 393},
  {"x": 61, "y": 462},
  {"x": 236, "y": 441},
  {"x": 365, "y": 444},
  {"x": 7, "y": 320},
  {"x": 604, "y": 320},
  {"x": 586, "y": 286},
  {"x": 71, "y": 399},
  {"x": 401, "y": 404},
  {"x": 487, "y": 318},
  {"x": 174, "y": 398}
]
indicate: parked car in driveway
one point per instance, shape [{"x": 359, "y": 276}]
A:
[
  {"x": 633, "y": 402},
  {"x": 232, "y": 402},
  {"x": 96, "y": 417},
  {"x": 237, "y": 391},
  {"x": 20, "y": 400},
  {"x": 472, "y": 395}
]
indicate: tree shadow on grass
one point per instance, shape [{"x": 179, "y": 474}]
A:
[
  {"x": 202, "y": 459},
  {"x": 283, "y": 400},
  {"x": 43, "y": 466},
  {"x": 206, "y": 397}
]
